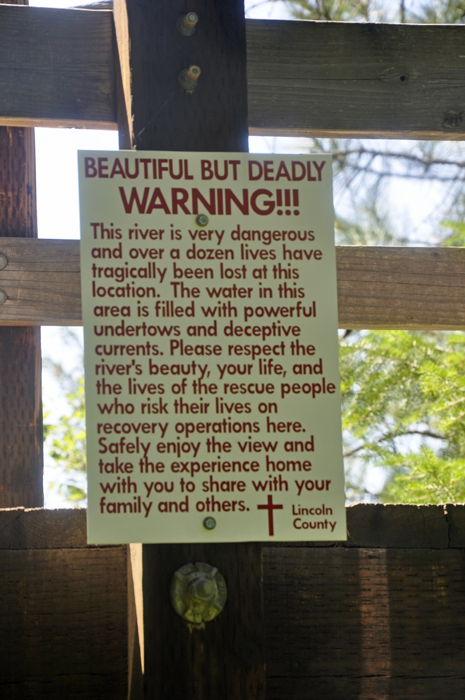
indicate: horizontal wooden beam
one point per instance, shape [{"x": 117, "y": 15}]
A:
[
  {"x": 57, "y": 68},
  {"x": 343, "y": 79},
  {"x": 39, "y": 528},
  {"x": 304, "y": 78},
  {"x": 374, "y": 525},
  {"x": 385, "y": 288},
  {"x": 42, "y": 281},
  {"x": 401, "y": 288}
]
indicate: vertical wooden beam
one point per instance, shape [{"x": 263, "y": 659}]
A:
[
  {"x": 224, "y": 658},
  {"x": 21, "y": 461},
  {"x": 164, "y": 116}
]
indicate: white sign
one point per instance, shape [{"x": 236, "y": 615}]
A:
[{"x": 211, "y": 358}]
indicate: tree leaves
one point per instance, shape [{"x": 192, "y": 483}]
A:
[
  {"x": 403, "y": 399},
  {"x": 68, "y": 446}
]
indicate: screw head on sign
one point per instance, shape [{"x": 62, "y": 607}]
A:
[
  {"x": 3, "y": 261},
  {"x": 201, "y": 219},
  {"x": 209, "y": 523},
  {"x": 3, "y": 296}
]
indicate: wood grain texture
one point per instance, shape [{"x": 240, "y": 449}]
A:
[
  {"x": 386, "y": 288},
  {"x": 64, "y": 624},
  {"x": 398, "y": 526},
  {"x": 455, "y": 516},
  {"x": 220, "y": 659},
  {"x": 365, "y": 623},
  {"x": 225, "y": 658},
  {"x": 57, "y": 68},
  {"x": 376, "y": 525},
  {"x": 42, "y": 281},
  {"x": 123, "y": 77},
  {"x": 304, "y": 78},
  {"x": 391, "y": 526},
  {"x": 378, "y": 616},
  {"x": 38, "y": 528},
  {"x": 354, "y": 79},
  {"x": 401, "y": 526},
  {"x": 404, "y": 288},
  {"x": 135, "y": 623},
  {"x": 212, "y": 117},
  {"x": 21, "y": 459}
]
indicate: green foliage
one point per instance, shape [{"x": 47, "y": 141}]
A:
[
  {"x": 335, "y": 10},
  {"x": 396, "y": 386},
  {"x": 46, "y": 427},
  {"x": 424, "y": 478},
  {"x": 440, "y": 12},
  {"x": 457, "y": 237},
  {"x": 428, "y": 12},
  {"x": 68, "y": 446}
]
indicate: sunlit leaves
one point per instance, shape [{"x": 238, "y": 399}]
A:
[{"x": 403, "y": 397}]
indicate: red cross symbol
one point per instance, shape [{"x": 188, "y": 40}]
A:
[{"x": 270, "y": 507}]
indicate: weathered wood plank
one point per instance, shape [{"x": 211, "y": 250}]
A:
[
  {"x": 64, "y": 624},
  {"x": 354, "y": 79},
  {"x": 304, "y": 78},
  {"x": 38, "y": 528},
  {"x": 398, "y": 526},
  {"x": 455, "y": 516},
  {"x": 21, "y": 460},
  {"x": 42, "y": 282},
  {"x": 57, "y": 68},
  {"x": 135, "y": 623},
  {"x": 364, "y": 623},
  {"x": 191, "y": 661},
  {"x": 403, "y": 288},
  {"x": 213, "y": 117},
  {"x": 72, "y": 610},
  {"x": 371, "y": 525},
  {"x": 225, "y": 658},
  {"x": 401, "y": 526}
]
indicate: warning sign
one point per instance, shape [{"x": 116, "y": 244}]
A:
[{"x": 211, "y": 357}]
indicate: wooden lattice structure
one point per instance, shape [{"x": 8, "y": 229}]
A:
[{"x": 379, "y": 616}]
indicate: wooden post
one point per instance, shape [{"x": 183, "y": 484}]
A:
[
  {"x": 223, "y": 658},
  {"x": 21, "y": 461}
]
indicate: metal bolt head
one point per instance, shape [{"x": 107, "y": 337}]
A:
[
  {"x": 193, "y": 72},
  {"x": 198, "y": 592},
  {"x": 3, "y": 296},
  {"x": 191, "y": 19},
  {"x": 188, "y": 78},
  {"x": 186, "y": 24},
  {"x": 209, "y": 523},
  {"x": 201, "y": 220},
  {"x": 3, "y": 261},
  {"x": 202, "y": 589}
]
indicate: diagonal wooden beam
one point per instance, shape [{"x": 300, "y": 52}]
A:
[
  {"x": 304, "y": 78},
  {"x": 403, "y": 288}
]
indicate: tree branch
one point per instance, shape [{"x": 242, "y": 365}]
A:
[{"x": 390, "y": 436}]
